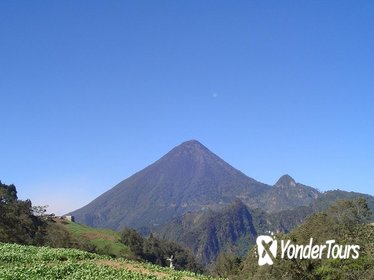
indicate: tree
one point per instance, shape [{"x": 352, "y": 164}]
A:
[
  {"x": 8, "y": 193},
  {"x": 349, "y": 215},
  {"x": 18, "y": 224},
  {"x": 157, "y": 251},
  {"x": 133, "y": 240},
  {"x": 227, "y": 264}
]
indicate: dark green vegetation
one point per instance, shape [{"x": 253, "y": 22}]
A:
[
  {"x": 346, "y": 222},
  {"x": 17, "y": 222},
  {"x": 157, "y": 251},
  {"x": 22, "y": 223}
]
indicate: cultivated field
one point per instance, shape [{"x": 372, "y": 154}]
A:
[{"x": 29, "y": 262}]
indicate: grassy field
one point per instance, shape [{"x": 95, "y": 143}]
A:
[
  {"x": 29, "y": 262},
  {"x": 105, "y": 240}
]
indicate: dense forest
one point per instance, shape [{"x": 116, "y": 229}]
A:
[{"x": 346, "y": 221}]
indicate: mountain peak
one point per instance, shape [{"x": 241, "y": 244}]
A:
[
  {"x": 192, "y": 148},
  {"x": 192, "y": 143},
  {"x": 286, "y": 180}
]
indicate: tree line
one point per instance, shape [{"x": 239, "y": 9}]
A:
[{"x": 157, "y": 251}]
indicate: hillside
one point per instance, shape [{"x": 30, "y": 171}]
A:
[
  {"x": 105, "y": 241},
  {"x": 346, "y": 222},
  {"x": 29, "y": 262},
  {"x": 234, "y": 228},
  {"x": 208, "y": 233},
  {"x": 329, "y": 197},
  {"x": 287, "y": 194}
]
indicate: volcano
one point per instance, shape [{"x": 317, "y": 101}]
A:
[{"x": 189, "y": 178}]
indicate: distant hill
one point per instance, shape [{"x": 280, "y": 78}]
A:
[
  {"x": 287, "y": 194},
  {"x": 329, "y": 197},
  {"x": 188, "y": 178}
]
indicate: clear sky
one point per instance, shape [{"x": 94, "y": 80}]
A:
[{"x": 93, "y": 91}]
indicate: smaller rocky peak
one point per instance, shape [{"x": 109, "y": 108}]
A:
[{"x": 286, "y": 181}]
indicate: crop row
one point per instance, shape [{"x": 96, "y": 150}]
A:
[{"x": 32, "y": 263}]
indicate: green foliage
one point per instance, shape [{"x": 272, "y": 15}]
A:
[
  {"x": 134, "y": 241},
  {"x": 18, "y": 223},
  {"x": 8, "y": 193},
  {"x": 345, "y": 222},
  {"x": 328, "y": 198},
  {"x": 157, "y": 251},
  {"x": 227, "y": 264},
  {"x": 22, "y": 223},
  {"x": 32, "y": 263},
  {"x": 348, "y": 216}
]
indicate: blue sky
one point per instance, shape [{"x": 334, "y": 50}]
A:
[{"x": 93, "y": 91}]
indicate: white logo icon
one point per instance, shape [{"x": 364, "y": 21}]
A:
[{"x": 267, "y": 249}]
